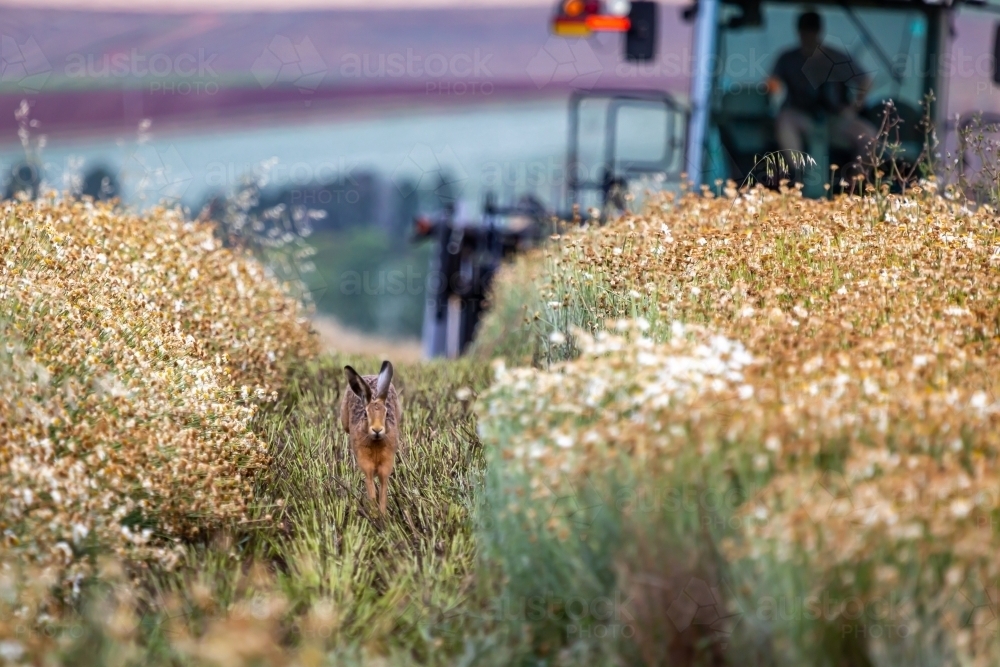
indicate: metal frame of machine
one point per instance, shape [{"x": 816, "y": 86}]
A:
[{"x": 468, "y": 256}]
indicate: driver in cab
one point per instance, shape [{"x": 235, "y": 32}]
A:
[{"x": 820, "y": 82}]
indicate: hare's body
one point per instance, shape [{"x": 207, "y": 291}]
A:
[{"x": 371, "y": 415}]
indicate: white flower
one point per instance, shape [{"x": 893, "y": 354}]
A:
[
  {"x": 80, "y": 532},
  {"x": 960, "y": 508},
  {"x": 813, "y": 364},
  {"x": 10, "y": 650}
]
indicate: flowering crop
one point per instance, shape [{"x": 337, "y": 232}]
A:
[
  {"x": 617, "y": 391},
  {"x": 845, "y": 369},
  {"x": 134, "y": 352}
]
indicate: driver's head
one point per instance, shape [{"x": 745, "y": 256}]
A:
[{"x": 810, "y": 30}]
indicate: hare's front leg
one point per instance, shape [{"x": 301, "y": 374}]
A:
[
  {"x": 370, "y": 484},
  {"x": 368, "y": 468},
  {"x": 383, "y": 490}
]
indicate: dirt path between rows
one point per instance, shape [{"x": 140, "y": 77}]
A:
[{"x": 335, "y": 337}]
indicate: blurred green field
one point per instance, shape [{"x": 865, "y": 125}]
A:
[{"x": 373, "y": 282}]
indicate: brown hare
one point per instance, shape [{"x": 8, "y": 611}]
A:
[{"x": 371, "y": 415}]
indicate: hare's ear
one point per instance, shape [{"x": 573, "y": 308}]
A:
[
  {"x": 384, "y": 380},
  {"x": 358, "y": 385}
]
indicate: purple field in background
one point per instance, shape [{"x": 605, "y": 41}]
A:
[
  {"x": 87, "y": 72},
  {"x": 93, "y": 73}
]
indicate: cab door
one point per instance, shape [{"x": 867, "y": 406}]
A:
[
  {"x": 618, "y": 138},
  {"x": 972, "y": 124}
]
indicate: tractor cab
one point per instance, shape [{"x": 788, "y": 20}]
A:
[
  {"x": 881, "y": 50},
  {"x": 753, "y": 62},
  {"x": 871, "y": 50}
]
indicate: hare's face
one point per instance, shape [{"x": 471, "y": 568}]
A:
[
  {"x": 376, "y": 419},
  {"x": 374, "y": 401}
]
